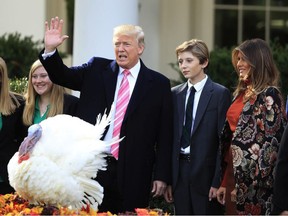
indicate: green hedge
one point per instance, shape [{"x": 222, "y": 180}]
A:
[
  {"x": 19, "y": 53},
  {"x": 19, "y": 85}
]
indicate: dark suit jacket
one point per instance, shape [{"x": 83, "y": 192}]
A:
[
  {"x": 147, "y": 125},
  {"x": 70, "y": 104},
  {"x": 281, "y": 175},
  {"x": 11, "y": 135},
  {"x": 204, "y": 148}
]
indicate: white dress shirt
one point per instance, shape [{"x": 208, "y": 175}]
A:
[
  {"x": 132, "y": 77},
  {"x": 198, "y": 87}
]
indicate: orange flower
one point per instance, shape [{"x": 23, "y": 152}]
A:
[
  {"x": 141, "y": 211},
  {"x": 2, "y": 202},
  {"x": 154, "y": 213},
  {"x": 13, "y": 204},
  {"x": 105, "y": 214}
]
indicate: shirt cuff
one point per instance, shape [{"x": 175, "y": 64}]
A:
[{"x": 46, "y": 55}]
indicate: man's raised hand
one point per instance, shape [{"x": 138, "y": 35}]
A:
[{"x": 53, "y": 34}]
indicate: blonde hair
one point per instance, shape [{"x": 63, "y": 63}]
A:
[
  {"x": 197, "y": 47},
  {"x": 56, "y": 98},
  {"x": 129, "y": 30},
  {"x": 263, "y": 72},
  {"x": 8, "y": 102}
]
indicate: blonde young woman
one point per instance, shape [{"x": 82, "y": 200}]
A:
[
  {"x": 45, "y": 99},
  {"x": 12, "y": 131},
  {"x": 253, "y": 130}
]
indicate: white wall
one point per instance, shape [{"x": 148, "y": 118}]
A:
[
  {"x": 149, "y": 12},
  {"x": 180, "y": 21},
  {"x": 93, "y": 26},
  {"x": 26, "y": 17}
]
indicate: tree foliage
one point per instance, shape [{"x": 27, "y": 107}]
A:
[{"x": 19, "y": 53}]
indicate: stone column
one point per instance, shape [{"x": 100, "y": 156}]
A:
[
  {"x": 94, "y": 23},
  {"x": 93, "y": 27}
]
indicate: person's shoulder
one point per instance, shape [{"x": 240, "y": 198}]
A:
[
  {"x": 218, "y": 86},
  {"x": 17, "y": 98},
  {"x": 100, "y": 60},
  {"x": 153, "y": 73},
  {"x": 99, "y": 63},
  {"x": 272, "y": 90},
  {"x": 178, "y": 88},
  {"x": 158, "y": 75},
  {"x": 70, "y": 104},
  {"x": 71, "y": 97}
]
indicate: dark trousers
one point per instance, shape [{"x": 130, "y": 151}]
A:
[
  {"x": 187, "y": 200},
  {"x": 108, "y": 179},
  {"x": 5, "y": 188}
]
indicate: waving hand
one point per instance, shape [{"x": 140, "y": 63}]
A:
[{"x": 53, "y": 34}]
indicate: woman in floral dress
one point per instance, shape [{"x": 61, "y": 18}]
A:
[{"x": 253, "y": 130}]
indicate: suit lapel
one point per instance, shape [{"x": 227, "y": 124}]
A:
[
  {"x": 203, "y": 103},
  {"x": 110, "y": 78},
  {"x": 143, "y": 84},
  {"x": 181, "y": 97}
]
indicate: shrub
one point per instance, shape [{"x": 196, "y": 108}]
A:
[
  {"x": 221, "y": 69},
  {"x": 19, "y": 85},
  {"x": 19, "y": 53},
  {"x": 281, "y": 59}
]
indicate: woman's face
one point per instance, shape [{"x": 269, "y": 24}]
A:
[
  {"x": 41, "y": 82},
  {"x": 190, "y": 67},
  {"x": 243, "y": 67}
]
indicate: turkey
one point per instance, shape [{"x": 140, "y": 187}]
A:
[{"x": 56, "y": 162}]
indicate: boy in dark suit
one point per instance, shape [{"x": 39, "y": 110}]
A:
[{"x": 198, "y": 122}]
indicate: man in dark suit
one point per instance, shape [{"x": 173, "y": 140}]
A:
[
  {"x": 195, "y": 165},
  {"x": 145, "y": 152},
  {"x": 280, "y": 189}
]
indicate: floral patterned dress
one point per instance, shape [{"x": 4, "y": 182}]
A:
[{"x": 255, "y": 145}]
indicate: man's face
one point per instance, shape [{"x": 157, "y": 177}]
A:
[{"x": 127, "y": 50}]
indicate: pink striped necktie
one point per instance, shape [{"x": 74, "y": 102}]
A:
[{"x": 121, "y": 106}]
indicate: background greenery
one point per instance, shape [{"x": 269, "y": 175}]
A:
[{"x": 19, "y": 53}]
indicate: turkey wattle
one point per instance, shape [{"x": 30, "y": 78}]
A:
[{"x": 56, "y": 162}]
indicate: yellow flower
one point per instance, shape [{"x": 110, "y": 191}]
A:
[{"x": 14, "y": 205}]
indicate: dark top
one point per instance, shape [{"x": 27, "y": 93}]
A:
[
  {"x": 11, "y": 135},
  {"x": 70, "y": 104}
]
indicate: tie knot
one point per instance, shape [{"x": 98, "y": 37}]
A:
[
  {"x": 192, "y": 89},
  {"x": 126, "y": 72}
]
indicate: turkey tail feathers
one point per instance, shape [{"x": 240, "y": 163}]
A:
[
  {"x": 103, "y": 121},
  {"x": 93, "y": 192}
]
